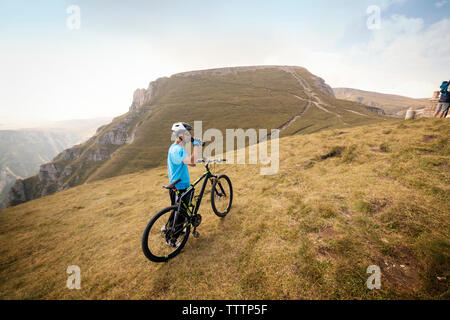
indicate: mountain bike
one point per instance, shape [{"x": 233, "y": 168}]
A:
[{"x": 168, "y": 231}]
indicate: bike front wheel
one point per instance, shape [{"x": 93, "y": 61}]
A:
[
  {"x": 221, "y": 195},
  {"x": 161, "y": 240}
]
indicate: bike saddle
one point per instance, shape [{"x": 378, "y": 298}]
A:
[{"x": 172, "y": 185}]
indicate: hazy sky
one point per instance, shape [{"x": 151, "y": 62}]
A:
[{"x": 50, "y": 72}]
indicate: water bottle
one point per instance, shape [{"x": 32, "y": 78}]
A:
[{"x": 202, "y": 143}]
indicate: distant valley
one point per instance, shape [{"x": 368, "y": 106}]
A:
[{"x": 22, "y": 151}]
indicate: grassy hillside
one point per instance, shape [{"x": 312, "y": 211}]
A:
[
  {"x": 265, "y": 98},
  {"x": 342, "y": 200},
  {"x": 289, "y": 98},
  {"x": 393, "y": 105}
]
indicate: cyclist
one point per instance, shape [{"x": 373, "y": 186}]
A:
[{"x": 178, "y": 160}]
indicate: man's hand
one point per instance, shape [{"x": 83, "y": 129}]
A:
[{"x": 190, "y": 160}]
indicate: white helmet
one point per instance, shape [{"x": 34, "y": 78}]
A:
[
  {"x": 181, "y": 129},
  {"x": 181, "y": 126}
]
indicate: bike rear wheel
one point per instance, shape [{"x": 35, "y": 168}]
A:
[
  {"x": 160, "y": 242},
  {"x": 221, "y": 195}
]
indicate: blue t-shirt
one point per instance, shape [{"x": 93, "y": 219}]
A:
[{"x": 176, "y": 167}]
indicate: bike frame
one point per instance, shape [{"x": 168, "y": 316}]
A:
[{"x": 207, "y": 175}]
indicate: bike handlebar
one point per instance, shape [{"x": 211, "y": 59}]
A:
[{"x": 208, "y": 161}]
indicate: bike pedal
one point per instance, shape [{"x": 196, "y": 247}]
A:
[{"x": 196, "y": 234}]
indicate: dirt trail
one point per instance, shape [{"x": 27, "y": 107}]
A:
[
  {"x": 312, "y": 98},
  {"x": 287, "y": 124},
  {"x": 361, "y": 114}
]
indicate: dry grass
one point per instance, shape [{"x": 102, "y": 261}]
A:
[{"x": 308, "y": 232}]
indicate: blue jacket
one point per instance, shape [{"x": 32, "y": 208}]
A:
[{"x": 445, "y": 95}]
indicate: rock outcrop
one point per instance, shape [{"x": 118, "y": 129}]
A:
[
  {"x": 143, "y": 96},
  {"x": 100, "y": 154},
  {"x": 119, "y": 133},
  {"x": 49, "y": 172},
  {"x": 70, "y": 154},
  {"x": 17, "y": 193},
  {"x": 321, "y": 84},
  {"x": 375, "y": 109}
]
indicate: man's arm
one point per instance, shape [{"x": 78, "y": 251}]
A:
[{"x": 190, "y": 160}]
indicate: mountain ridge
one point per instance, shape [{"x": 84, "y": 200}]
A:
[
  {"x": 392, "y": 104},
  {"x": 142, "y": 95},
  {"x": 257, "y": 97}
]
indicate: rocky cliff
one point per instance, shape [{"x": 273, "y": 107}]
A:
[{"x": 143, "y": 96}]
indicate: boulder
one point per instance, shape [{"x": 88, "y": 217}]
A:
[{"x": 410, "y": 114}]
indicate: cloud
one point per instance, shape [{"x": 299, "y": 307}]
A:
[
  {"x": 405, "y": 56},
  {"x": 385, "y": 4},
  {"x": 440, "y": 4},
  {"x": 409, "y": 56}
]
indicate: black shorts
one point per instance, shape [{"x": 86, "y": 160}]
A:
[{"x": 174, "y": 198}]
